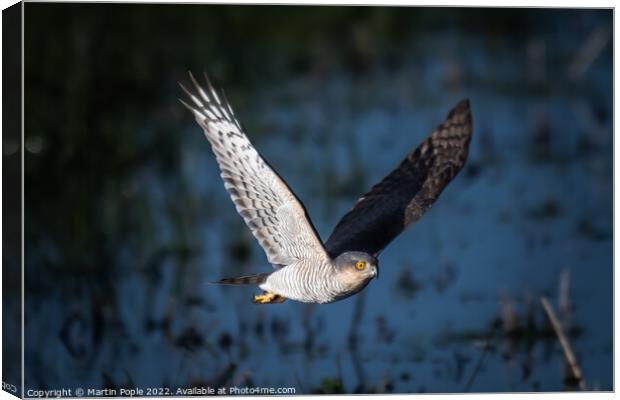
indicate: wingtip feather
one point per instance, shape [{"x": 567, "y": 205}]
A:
[
  {"x": 197, "y": 114},
  {"x": 201, "y": 91},
  {"x": 212, "y": 89},
  {"x": 191, "y": 95},
  {"x": 185, "y": 104},
  {"x": 462, "y": 106},
  {"x": 461, "y": 111}
]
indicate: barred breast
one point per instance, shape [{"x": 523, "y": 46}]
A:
[{"x": 305, "y": 283}]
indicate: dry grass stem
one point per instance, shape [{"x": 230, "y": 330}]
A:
[{"x": 568, "y": 352}]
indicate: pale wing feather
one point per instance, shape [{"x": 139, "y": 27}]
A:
[{"x": 273, "y": 213}]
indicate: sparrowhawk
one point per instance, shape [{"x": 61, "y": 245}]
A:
[{"x": 305, "y": 269}]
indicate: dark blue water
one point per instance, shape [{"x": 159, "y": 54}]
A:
[{"x": 459, "y": 288}]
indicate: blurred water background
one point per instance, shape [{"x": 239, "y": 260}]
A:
[{"x": 127, "y": 219}]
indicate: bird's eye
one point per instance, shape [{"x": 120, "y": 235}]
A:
[{"x": 360, "y": 265}]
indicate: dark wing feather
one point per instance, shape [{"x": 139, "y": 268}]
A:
[{"x": 403, "y": 196}]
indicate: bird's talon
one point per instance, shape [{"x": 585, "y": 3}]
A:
[{"x": 268, "y": 297}]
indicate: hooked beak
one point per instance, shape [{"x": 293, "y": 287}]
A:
[{"x": 375, "y": 271}]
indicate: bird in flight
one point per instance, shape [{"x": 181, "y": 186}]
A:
[{"x": 306, "y": 269}]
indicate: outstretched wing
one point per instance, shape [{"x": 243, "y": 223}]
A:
[
  {"x": 275, "y": 216},
  {"x": 403, "y": 196}
]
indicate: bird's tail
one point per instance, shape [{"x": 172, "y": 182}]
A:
[{"x": 256, "y": 279}]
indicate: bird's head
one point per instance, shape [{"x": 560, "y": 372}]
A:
[{"x": 356, "y": 269}]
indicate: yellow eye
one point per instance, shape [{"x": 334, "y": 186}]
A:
[{"x": 360, "y": 265}]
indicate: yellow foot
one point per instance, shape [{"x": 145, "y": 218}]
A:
[{"x": 268, "y": 297}]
